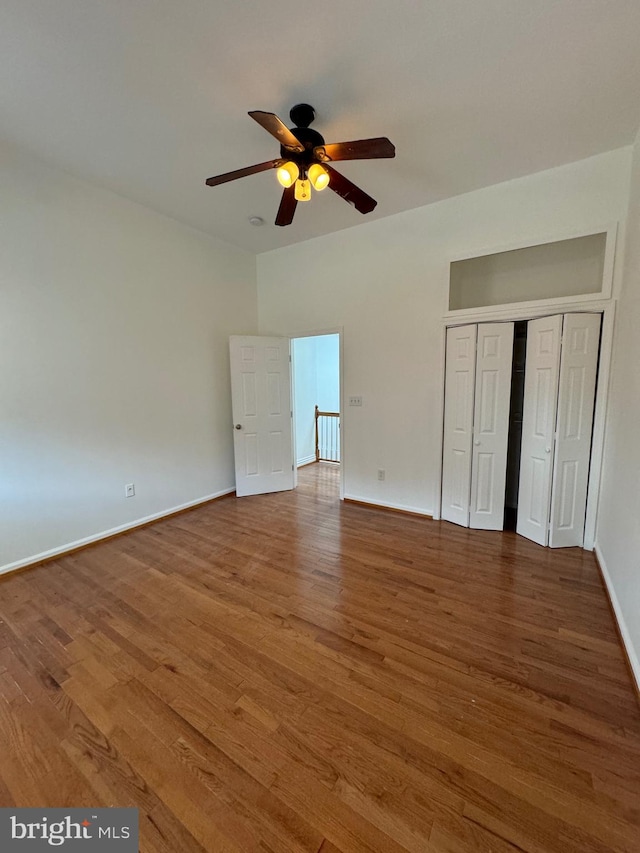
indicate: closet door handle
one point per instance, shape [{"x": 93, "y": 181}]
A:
[
  {"x": 477, "y": 442},
  {"x": 547, "y": 450}
]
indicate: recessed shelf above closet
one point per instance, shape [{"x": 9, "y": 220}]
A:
[{"x": 561, "y": 269}]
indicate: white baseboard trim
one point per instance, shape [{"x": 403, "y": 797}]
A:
[
  {"x": 105, "y": 534},
  {"x": 634, "y": 661},
  {"x": 306, "y": 460},
  {"x": 414, "y": 510}
]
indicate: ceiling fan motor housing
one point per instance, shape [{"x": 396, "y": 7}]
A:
[
  {"x": 302, "y": 115},
  {"x": 310, "y": 139}
]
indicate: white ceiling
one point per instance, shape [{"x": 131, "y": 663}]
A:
[{"x": 150, "y": 97}]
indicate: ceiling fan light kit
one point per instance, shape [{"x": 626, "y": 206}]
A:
[
  {"x": 304, "y": 162},
  {"x": 287, "y": 174},
  {"x": 302, "y": 191},
  {"x": 318, "y": 176}
]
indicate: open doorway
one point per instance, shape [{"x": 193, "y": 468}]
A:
[{"x": 316, "y": 401}]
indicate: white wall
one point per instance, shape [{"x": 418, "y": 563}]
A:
[
  {"x": 618, "y": 531},
  {"x": 386, "y": 283},
  {"x": 316, "y": 363},
  {"x": 114, "y": 325}
]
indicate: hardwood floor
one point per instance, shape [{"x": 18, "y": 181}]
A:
[{"x": 288, "y": 673}]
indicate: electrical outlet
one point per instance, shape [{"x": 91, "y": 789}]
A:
[
  {"x": 355, "y": 401},
  {"x": 381, "y": 473},
  {"x": 129, "y": 490}
]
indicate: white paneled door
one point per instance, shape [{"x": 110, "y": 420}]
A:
[
  {"x": 261, "y": 404},
  {"x": 538, "y": 427},
  {"x": 460, "y": 368},
  {"x": 491, "y": 425},
  {"x": 576, "y": 396}
]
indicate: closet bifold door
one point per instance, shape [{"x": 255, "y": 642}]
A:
[
  {"x": 538, "y": 427},
  {"x": 576, "y": 398},
  {"x": 494, "y": 361},
  {"x": 460, "y": 367}
]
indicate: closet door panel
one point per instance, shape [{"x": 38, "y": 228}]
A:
[
  {"x": 458, "y": 423},
  {"x": 491, "y": 425},
  {"x": 576, "y": 396},
  {"x": 538, "y": 427}
]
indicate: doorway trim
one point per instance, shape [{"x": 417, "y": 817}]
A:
[
  {"x": 511, "y": 313},
  {"x": 336, "y": 330}
]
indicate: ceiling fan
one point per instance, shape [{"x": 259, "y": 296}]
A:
[{"x": 304, "y": 162}]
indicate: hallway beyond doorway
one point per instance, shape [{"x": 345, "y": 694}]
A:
[{"x": 316, "y": 383}]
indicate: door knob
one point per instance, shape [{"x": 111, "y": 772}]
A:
[
  {"x": 238, "y": 426},
  {"x": 547, "y": 450},
  {"x": 477, "y": 442}
]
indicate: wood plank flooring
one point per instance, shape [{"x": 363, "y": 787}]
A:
[{"x": 288, "y": 673}]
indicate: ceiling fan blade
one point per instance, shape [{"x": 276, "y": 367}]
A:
[
  {"x": 273, "y": 125},
  {"x": 241, "y": 173},
  {"x": 359, "y": 149},
  {"x": 349, "y": 191},
  {"x": 287, "y": 207}
]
